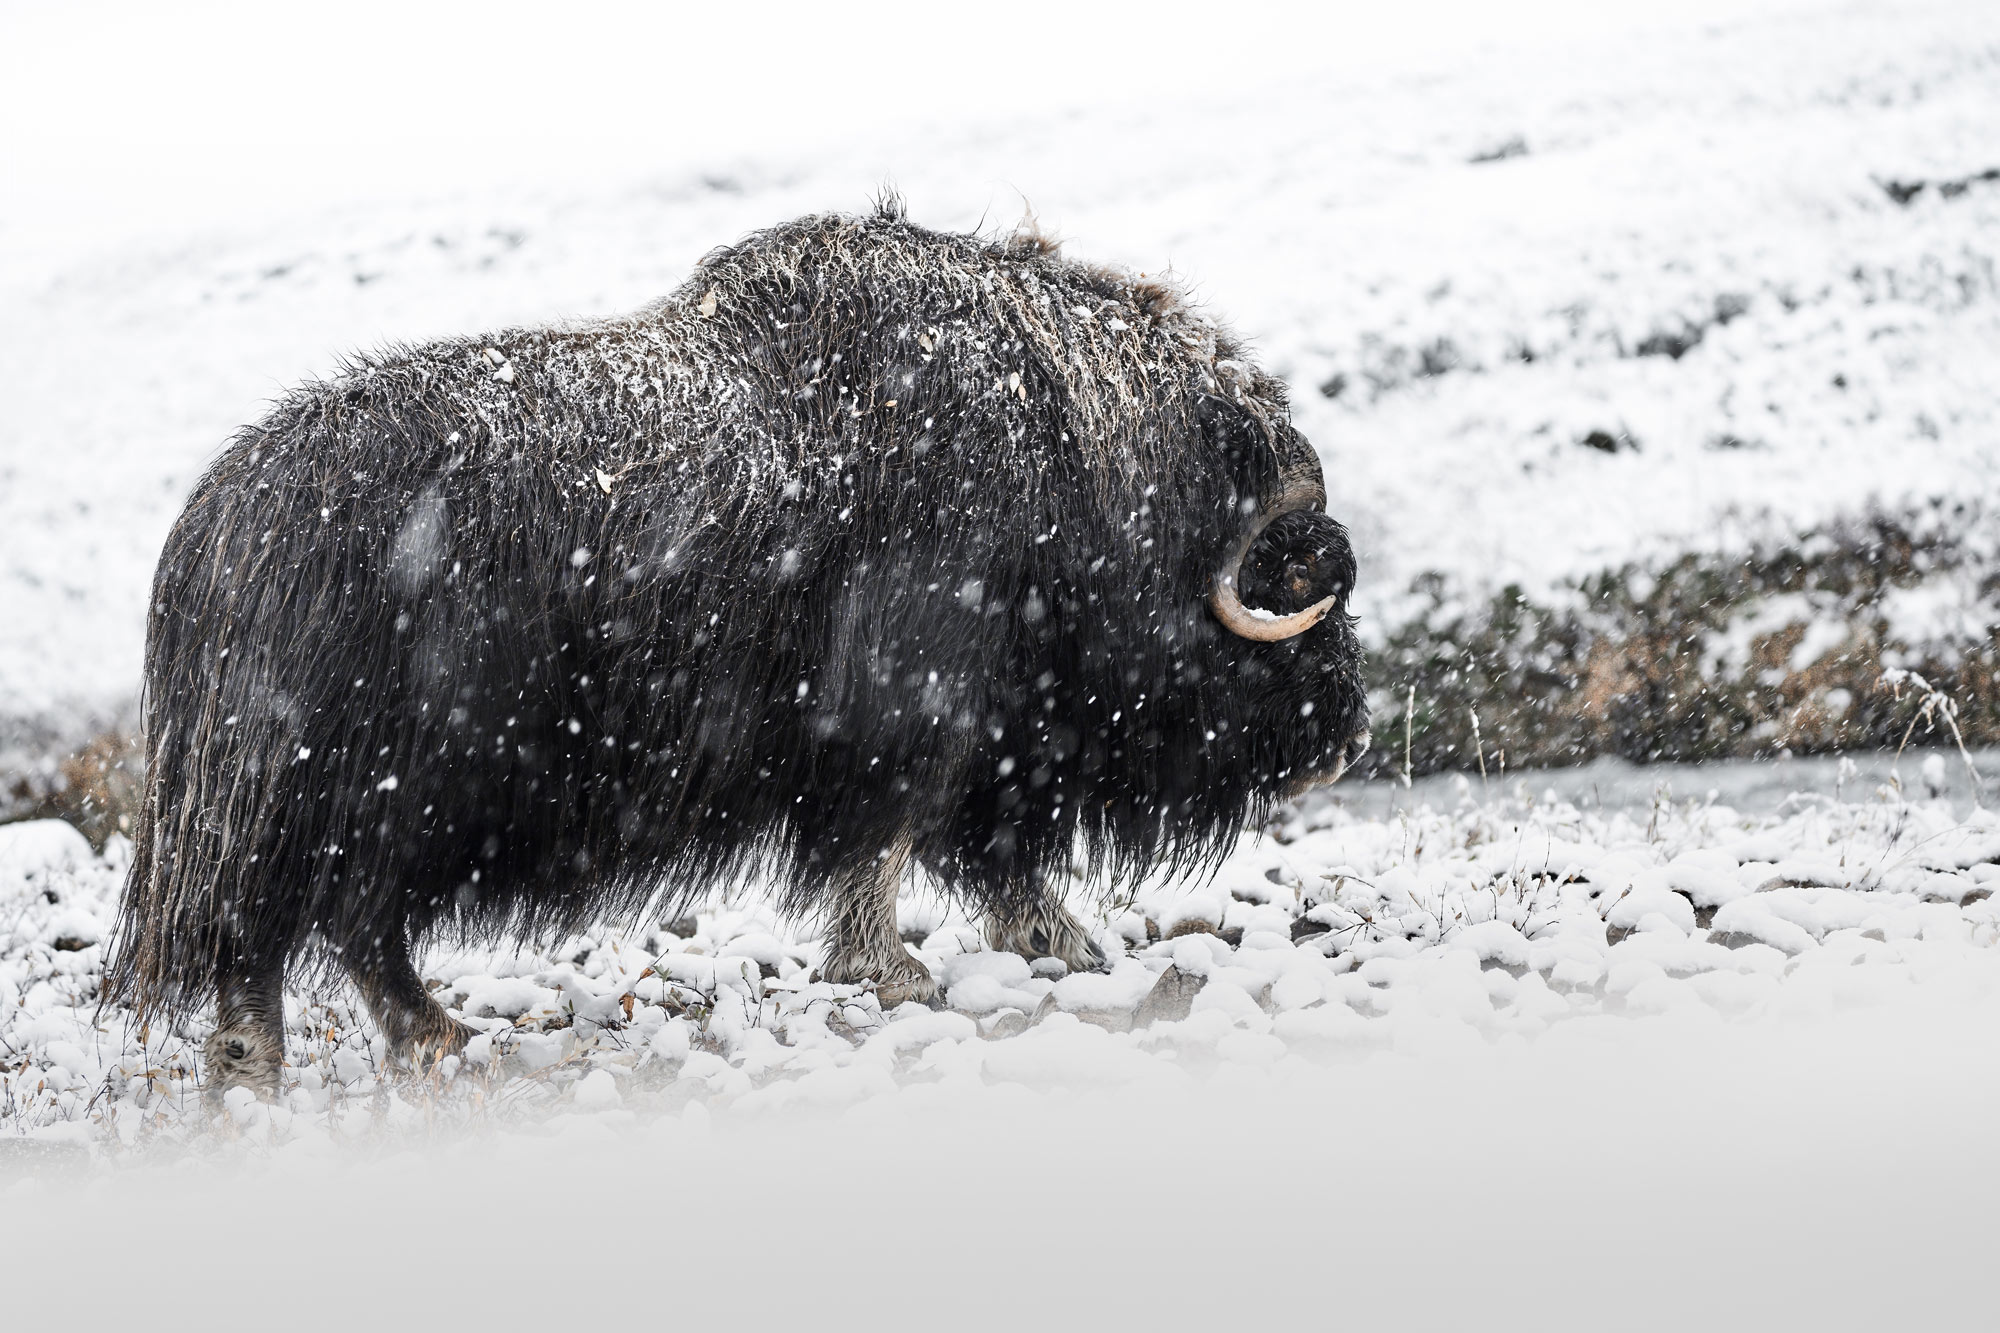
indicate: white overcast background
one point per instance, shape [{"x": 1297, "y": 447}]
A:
[{"x": 142, "y": 119}]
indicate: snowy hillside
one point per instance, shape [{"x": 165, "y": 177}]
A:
[{"x": 1546, "y": 312}]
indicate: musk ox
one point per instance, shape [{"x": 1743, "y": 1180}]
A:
[{"x": 871, "y": 547}]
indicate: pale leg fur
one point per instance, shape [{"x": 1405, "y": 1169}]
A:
[
  {"x": 1044, "y": 928},
  {"x": 862, "y": 943},
  {"x": 247, "y": 1048},
  {"x": 414, "y": 1025}
]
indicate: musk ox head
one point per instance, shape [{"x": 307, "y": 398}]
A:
[
  {"x": 1283, "y": 587},
  {"x": 1297, "y": 570}
]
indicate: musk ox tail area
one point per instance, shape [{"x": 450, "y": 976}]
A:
[{"x": 217, "y": 734}]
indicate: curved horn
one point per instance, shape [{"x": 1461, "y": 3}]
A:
[{"x": 1229, "y": 608}]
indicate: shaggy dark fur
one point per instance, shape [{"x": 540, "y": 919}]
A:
[{"x": 872, "y": 544}]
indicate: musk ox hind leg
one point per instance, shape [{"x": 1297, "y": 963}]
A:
[
  {"x": 415, "y": 1026},
  {"x": 1039, "y": 926},
  {"x": 247, "y": 1048},
  {"x": 860, "y": 920}
]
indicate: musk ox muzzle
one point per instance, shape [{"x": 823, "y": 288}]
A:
[{"x": 872, "y": 548}]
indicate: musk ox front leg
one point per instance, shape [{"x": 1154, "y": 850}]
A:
[
  {"x": 247, "y": 1048},
  {"x": 861, "y": 939},
  {"x": 1039, "y": 926},
  {"x": 415, "y": 1026}
]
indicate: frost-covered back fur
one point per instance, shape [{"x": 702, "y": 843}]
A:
[{"x": 868, "y": 534}]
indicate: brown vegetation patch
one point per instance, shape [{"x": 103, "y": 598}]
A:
[
  {"x": 1708, "y": 657},
  {"x": 94, "y": 787}
]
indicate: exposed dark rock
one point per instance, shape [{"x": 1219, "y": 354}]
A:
[
  {"x": 1171, "y": 999},
  {"x": 1904, "y": 192},
  {"x": 1515, "y": 146},
  {"x": 1604, "y": 440},
  {"x": 1111, "y": 1020},
  {"x": 1010, "y": 1023},
  {"x": 1438, "y": 357},
  {"x": 1678, "y": 342},
  {"x": 1675, "y": 344}
]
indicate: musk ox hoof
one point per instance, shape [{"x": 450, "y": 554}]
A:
[
  {"x": 1050, "y": 932},
  {"x": 897, "y": 977},
  {"x": 924, "y": 990},
  {"x": 241, "y": 1058},
  {"x": 428, "y": 1046}
]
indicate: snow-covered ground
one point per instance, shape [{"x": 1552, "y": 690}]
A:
[
  {"x": 1492, "y": 1059},
  {"x": 1326, "y": 935}
]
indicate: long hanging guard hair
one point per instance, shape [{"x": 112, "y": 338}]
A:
[{"x": 867, "y": 527}]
